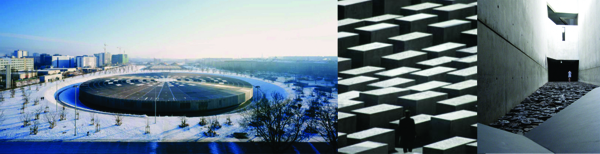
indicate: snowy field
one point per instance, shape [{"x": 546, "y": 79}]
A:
[{"x": 165, "y": 129}]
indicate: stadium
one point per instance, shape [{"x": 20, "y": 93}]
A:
[{"x": 171, "y": 92}]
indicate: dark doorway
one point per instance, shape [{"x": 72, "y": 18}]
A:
[{"x": 558, "y": 69}]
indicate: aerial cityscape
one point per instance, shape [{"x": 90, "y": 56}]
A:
[{"x": 164, "y": 80}]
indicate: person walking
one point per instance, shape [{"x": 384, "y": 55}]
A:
[
  {"x": 407, "y": 131},
  {"x": 569, "y": 76}
]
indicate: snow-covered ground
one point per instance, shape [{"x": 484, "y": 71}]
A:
[{"x": 165, "y": 129}]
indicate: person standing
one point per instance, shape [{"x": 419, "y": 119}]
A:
[
  {"x": 407, "y": 131},
  {"x": 569, "y": 76}
]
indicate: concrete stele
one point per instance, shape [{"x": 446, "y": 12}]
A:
[
  {"x": 445, "y": 49},
  {"x": 462, "y": 75},
  {"x": 382, "y": 96},
  {"x": 465, "y": 102},
  {"x": 381, "y": 135},
  {"x": 436, "y": 73},
  {"x": 366, "y": 147},
  {"x": 396, "y": 72},
  {"x": 364, "y": 71},
  {"x": 452, "y": 145},
  {"x": 406, "y": 58},
  {"x": 393, "y": 82},
  {"x": 440, "y": 61}
]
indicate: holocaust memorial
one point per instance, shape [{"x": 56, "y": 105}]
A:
[
  {"x": 165, "y": 92},
  {"x": 407, "y": 55}
]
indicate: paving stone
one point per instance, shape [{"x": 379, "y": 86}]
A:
[
  {"x": 381, "y": 135},
  {"x": 356, "y": 83},
  {"x": 455, "y": 11},
  {"x": 464, "y": 102},
  {"x": 455, "y": 144},
  {"x": 465, "y": 52},
  {"x": 407, "y": 58},
  {"x": 366, "y": 147},
  {"x": 349, "y": 24},
  {"x": 439, "y": 61},
  {"x": 469, "y": 37},
  {"x": 437, "y": 73},
  {"x": 389, "y": 6},
  {"x": 350, "y": 95},
  {"x": 393, "y": 82},
  {"x": 416, "y": 22},
  {"x": 377, "y": 33},
  {"x": 346, "y": 122},
  {"x": 361, "y": 71},
  {"x": 448, "y": 31},
  {"x": 358, "y": 9},
  {"x": 423, "y": 102},
  {"x": 387, "y": 95},
  {"x": 345, "y": 41},
  {"x": 349, "y": 105},
  {"x": 451, "y": 124},
  {"x": 401, "y": 72},
  {"x": 422, "y": 127},
  {"x": 386, "y": 18},
  {"x": 411, "y": 41},
  {"x": 369, "y": 54},
  {"x": 377, "y": 116},
  {"x": 344, "y": 64},
  {"x": 426, "y": 7},
  {"x": 445, "y": 49},
  {"x": 461, "y": 88}
]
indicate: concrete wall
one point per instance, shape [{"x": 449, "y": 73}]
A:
[
  {"x": 589, "y": 44},
  {"x": 510, "y": 42}
]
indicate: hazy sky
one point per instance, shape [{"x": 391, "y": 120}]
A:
[{"x": 171, "y": 29}]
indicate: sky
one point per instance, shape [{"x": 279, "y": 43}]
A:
[{"x": 176, "y": 29}]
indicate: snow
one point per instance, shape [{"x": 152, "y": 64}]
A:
[{"x": 165, "y": 129}]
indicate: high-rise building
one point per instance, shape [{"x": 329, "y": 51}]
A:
[
  {"x": 103, "y": 59},
  {"x": 119, "y": 59},
  {"x": 19, "y": 64},
  {"x": 86, "y": 61},
  {"x": 63, "y": 61},
  {"x": 20, "y": 53}
]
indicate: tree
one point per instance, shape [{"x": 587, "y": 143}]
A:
[
  {"x": 12, "y": 93},
  {"x": 278, "y": 124},
  {"x": 327, "y": 123},
  {"x": 2, "y": 117},
  {"x": 147, "y": 126},
  {"x": 51, "y": 119},
  {"x": 33, "y": 130},
  {"x": 183, "y": 122},
  {"x": 25, "y": 118},
  {"x": 63, "y": 114},
  {"x": 38, "y": 111},
  {"x": 118, "y": 119}
]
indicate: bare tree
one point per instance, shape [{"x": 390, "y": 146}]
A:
[
  {"x": 36, "y": 101},
  {"x": 183, "y": 122},
  {"x": 63, "y": 114},
  {"x": 276, "y": 122},
  {"x": 97, "y": 125},
  {"x": 92, "y": 115},
  {"x": 38, "y": 111},
  {"x": 228, "y": 121},
  {"x": 327, "y": 123},
  {"x": 147, "y": 126},
  {"x": 118, "y": 119},
  {"x": 25, "y": 118},
  {"x": 33, "y": 130},
  {"x": 1, "y": 96},
  {"x": 2, "y": 117},
  {"x": 202, "y": 121},
  {"x": 12, "y": 93},
  {"x": 51, "y": 119}
]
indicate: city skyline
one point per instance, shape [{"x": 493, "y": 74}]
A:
[{"x": 182, "y": 30}]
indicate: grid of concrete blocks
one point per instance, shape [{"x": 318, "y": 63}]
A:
[{"x": 419, "y": 55}]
